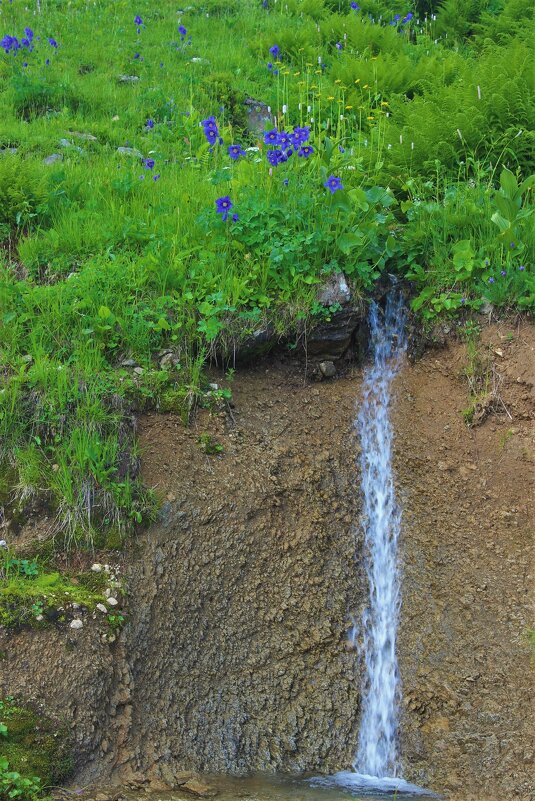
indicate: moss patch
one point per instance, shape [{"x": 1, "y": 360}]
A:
[
  {"x": 46, "y": 599},
  {"x": 35, "y": 745}
]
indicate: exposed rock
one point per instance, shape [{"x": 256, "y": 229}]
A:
[
  {"x": 96, "y": 567},
  {"x": 128, "y": 78},
  {"x": 257, "y": 344},
  {"x": 54, "y": 158},
  {"x": 333, "y": 338},
  {"x": 130, "y": 151},
  {"x": 327, "y": 369},
  {"x": 87, "y": 137},
  {"x": 76, "y": 624},
  {"x": 258, "y": 116},
  {"x": 101, "y": 608},
  {"x": 65, "y": 143},
  {"x": 335, "y": 291},
  {"x": 113, "y": 601}
]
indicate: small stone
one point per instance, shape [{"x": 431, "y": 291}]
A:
[
  {"x": 139, "y": 370},
  {"x": 87, "y": 137},
  {"x": 96, "y": 568},
  {"x": 113, "y": 601},
  {"x": 129, "y": 363},
  {"x": 130, "y": 151},
  {"x": 128, "y": 78},
  {"x": 53, "y": 159},
  {"x": 335, "y": 290},
  {"x": 65, "y": 143},
  {"x": 39, "y": 618},
  {"x": 214, "y": 386},
  {"x": 327, "y": 369},
  {"x": 101, "y": 608},
  {"x": 76, "y": 624},
  {"x": 498, "y": 352}
]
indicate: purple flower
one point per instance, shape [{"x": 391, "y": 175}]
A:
[
  {"x": 235, "y": 151},
  {"x": 491, "y": 280},
  {"x": 341, "y": 149},
  {"x": 333, "y": 184},
  {"x": 269, "y": 66},
  {"x": 150, "y": 124},
  {"x": 275, "y": 51},
  {"x": 138, "y": 20},
  {"x": 223, "y": 205},
  {"x": 182, "y": 31},
  {"x": 271, "y": 137},
  {"x": 302, "y": 134},
  {"x": 503, "y": 273},
  {"x": 284, "y": 140},
  {"x": 276, "y": 157},
  {"x": 355, "y": 6},
  {"x": 235, "y": 218},
  {"x": 29, "y": 33},
  {"x": 286, "y": 182},
  {"x": 521, "y": 268},
  {"x": 149, "y": 164},
  {"x": 156, "y": 177},
  {"x": 211, "y": 130},
  {"x": 47, "y": 62},
  {"x": 305, "y": 151},
  {"x": 52, "y": 42},
  {"x": 409, "y": 16},
  {"x": 512, "y": 245},
  {"x": 136, "y": 56},
  {"x": 339, "y": 46},
  {"x": 463, "y": 301}
]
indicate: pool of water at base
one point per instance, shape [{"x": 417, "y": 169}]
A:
[{"x": 340, "y": 787}]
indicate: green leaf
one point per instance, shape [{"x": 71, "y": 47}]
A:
[
  {"x": 500, "y": 221},
  {"x": 346, "y": 242},
  {"x": 508, "y": 183},
  {"x": 104, "y": 312}
]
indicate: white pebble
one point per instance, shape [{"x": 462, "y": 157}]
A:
[
  {"x": 76, "y": 624},
  {"x": 96, "y": 568},
  {"x": 101, "y": 608},
  {"x": 113, "y": 601}
]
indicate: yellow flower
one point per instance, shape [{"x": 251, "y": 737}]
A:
[
  {"x": 370, "y": 118},
  {"x": 358, "y": 80},
  {"x": 348, "y": 108},
  {"x": 330, "y": 97},
  {"x": 384, "y": 103},
  {"x": 297, "y": 73},
  {"x": 338, "y": 80},
  {"x": 366, "y": 86}
]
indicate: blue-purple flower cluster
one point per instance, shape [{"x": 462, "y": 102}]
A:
[
  {"x": 211, "y": 131},
  {"x": 12, "y": 44},
  {"x": 282, "y": 144}
]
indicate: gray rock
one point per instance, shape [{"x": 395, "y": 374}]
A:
[
  {"x": 11, "y": 150},
  {"x": 335, "y": 290},
  {"x": 87, "y": 137},
  {"x": 128, "y": 78},
  {"x": 77, "y": 624},
  {"x": 258, "y": 116},
  {"x": 327, "y": 369},
  {"x": 65, "y": 143},
  {"x": 129, "y": 363},
  {"x": 130, "y": 151},
  {"x": 53, "y": 158},
  {"x": 333, "y": 338}
]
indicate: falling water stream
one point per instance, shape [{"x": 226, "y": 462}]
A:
[{"x": 376, "y": 766}]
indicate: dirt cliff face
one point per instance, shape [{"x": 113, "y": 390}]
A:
[
  {"x": 243, "y": 593},
  {"x": 235, "y": 655},
  {"x": 468, "y": 558}
]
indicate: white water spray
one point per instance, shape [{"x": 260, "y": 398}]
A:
[{"x": 377, "y": 749}]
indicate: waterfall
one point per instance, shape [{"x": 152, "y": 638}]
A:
[
  {"x": 377, "y": 748},
  {"x": 375, "y": 767}
]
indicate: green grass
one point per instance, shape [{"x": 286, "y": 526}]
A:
[{"x": 102, "y": 267}]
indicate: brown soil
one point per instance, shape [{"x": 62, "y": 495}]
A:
[{"x": 235, "y": 655}]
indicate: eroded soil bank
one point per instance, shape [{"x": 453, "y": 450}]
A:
[{"x": 235, "y": 653}]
